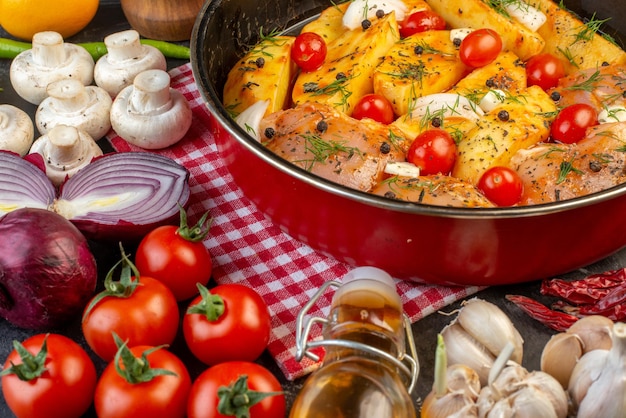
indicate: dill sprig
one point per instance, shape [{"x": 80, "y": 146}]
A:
[
  {"x": 589, "y": 84},
  {"x": 337, "y": 86},
  {"x": 322, "y": 150},
  {"x": 565, "y": 168},
  {"x": 589, "y": 29}
]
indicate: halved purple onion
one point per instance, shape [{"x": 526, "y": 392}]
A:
[
  {"x": 23, "y": 184},
  {"x": 119, "y": 196}
]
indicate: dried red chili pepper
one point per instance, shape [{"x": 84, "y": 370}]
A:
[
  {"x": 558, "y": 321},
  {"x": 612, "y": 305},
  {"x": 584, "y": 291}
]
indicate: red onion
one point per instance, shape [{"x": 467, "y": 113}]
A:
[
  {"x": 119, "y": 196},
  {"x": 47, "y": 272}
]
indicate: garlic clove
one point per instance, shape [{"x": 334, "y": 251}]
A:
[
  {"x": 598, "y": 383},
  {"x": 594, "y": 332},
  {"x": 560, "y": 355},
  {"x": 551, "y": 389},
  {"x": 462, "y": 348},
  {"x": 489, "y": 325}
]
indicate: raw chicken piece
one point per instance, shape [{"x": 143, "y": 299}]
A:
[
  {"x": 553, "y": 172},
  {"x": 332, "y": 145},
  {"x": 433, "y": 190}
]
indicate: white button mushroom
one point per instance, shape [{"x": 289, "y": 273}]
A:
[
  {"x": 65, "y": 150},
  {"x": 50, "y": 59},
  {"x": 71, "y": 103},
  {"x": 126, "y": 57},
  {"x": 16, "y": 130},
  {"x": 149, "y": 113}
]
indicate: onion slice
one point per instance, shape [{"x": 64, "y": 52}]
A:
[
  {"x": 359, "y": 10},
  {"x": 23, "y": 184},
  {"x": 119, "y": 196},
  {"x": 529, "y": 16}
]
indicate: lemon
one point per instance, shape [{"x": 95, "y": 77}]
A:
[{"x": 23, "y": 18}]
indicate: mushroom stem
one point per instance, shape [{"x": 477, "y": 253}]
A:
[
  {"x": 71, "y": 94},
  {"x": 48, "y": 49},
  {"x": 64, "y": 146},
  {"x": 151, "y": 94},
  {"x": 122, "y": 46}
]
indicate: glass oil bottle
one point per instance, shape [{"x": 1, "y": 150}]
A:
[{"x": 365, "y": 372}]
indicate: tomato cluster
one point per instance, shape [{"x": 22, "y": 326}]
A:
[{"x": 130, "y": 325}]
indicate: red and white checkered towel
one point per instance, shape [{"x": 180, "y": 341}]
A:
[{"x": 247, "y": 248}]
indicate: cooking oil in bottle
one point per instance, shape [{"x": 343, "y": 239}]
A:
[{"x": 365, "y": 371}]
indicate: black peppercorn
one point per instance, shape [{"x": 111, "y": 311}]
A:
[
  {"x": 390, "y": 195},
  {"x": 380, "y": 13},
  {"x": 260, "y": 62},
  {"x": 322, "y": 126},
  {"x": 457, "y": 42},
  {"x": 595, "y": 166},
  {"x": 555, "y": 96},
  {"x": 385, "y": 148},
  {"x": 340, "y": 76},
  {"x": 269, "y": 132},
  {"x": 366, "y": 24},
  {"x": 436, "y": 122},
  {"x": 419, "y": 50},
  {"x": 503, "y": 115}
]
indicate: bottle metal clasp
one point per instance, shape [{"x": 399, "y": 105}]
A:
[{"x": 408, "y": 364}]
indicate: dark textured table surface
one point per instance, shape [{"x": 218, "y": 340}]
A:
[{"x": 110, "y": 19}]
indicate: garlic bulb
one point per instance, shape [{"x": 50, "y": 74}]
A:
[
  {"x": 562, "y": 352},
  {"x": 597, "y": 385},
  {"x": 515, "y": 392},
  {"x": 478, "y": 335},
  {"x": 455, "y": 389}
]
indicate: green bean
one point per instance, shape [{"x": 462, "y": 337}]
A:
[{"x": 10, "y": 48}]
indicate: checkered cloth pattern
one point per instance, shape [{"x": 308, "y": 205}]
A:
[{"x": 247, "y": 248}]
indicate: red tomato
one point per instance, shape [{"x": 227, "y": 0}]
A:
[
  {"x": 240, "y": 332},
  {"x": 572, "y": 122},
  {"x": 309, "y": 51},
  {"x": 177, "y": 257},
  {"x": 374, "y": 106},
  {"x": 544, "y": 70},
  {"x": 502, "y": 185},
  {"x": 63, "y": 387},
  {"x": 433, "y": 151},
  {"x": 480, "y": 47},
  {"x": 149, "y": 316},
  {"x": 421, "y": 21},
  {"x": 162, "y": 396},
  {"x": 204, "y": 399}
]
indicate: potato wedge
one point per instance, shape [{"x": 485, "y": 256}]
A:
[
  {"x": 270, "y": 79},
  {"x": 478, "y": 14},
  {"x": 506, "y": 72},
  {"x": 421, "y": 64},
  {"x": 347, "y": 72},
  {"x": 579, "y": 44},
  {"x": 495, "y": 140},
  {"x": 329, "y": 24}
]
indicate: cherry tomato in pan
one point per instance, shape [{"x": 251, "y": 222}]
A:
[
  {"x": 501, "y": 185},
  {"x": 433, "y": 151},
  {"x": 144, "y": 381},
  {"x": 309, "y": 51},
  {"x": 241, "y": 378},
  {"x": 229, "y": 322},
  {"x": 176, "y": 256},
  {"x": 421, "y": 21},
  {"x": 544, "y": 70},
  {"x": 480, "y": 47},
  {"x": 374, "y": 106},
  {"x": 572, "y": 122},
  {"x": 60, "y": 378}
]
